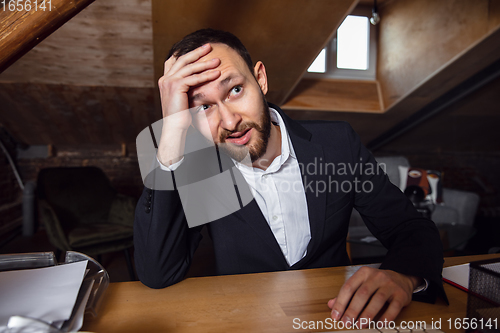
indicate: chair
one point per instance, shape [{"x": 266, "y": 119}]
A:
[
  {"x": 82, "y": 212},
  {"x": 459, "y": 207}
]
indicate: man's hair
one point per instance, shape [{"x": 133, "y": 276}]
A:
[{"x": 203, "y": 36}]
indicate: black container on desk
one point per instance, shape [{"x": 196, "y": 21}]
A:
[{"x": 483, "y": 301}]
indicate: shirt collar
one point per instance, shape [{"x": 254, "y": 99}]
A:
[
  {"x": 286, "y": 143},
  {"x": 286, "y": 146}
]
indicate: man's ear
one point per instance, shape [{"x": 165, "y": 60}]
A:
[{"x": 259, "y": 72}]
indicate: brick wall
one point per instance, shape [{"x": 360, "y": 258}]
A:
[{"x": 123, "y": 171}]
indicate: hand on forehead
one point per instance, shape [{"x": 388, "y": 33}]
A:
[
  {"x": 227, "y": 56},
  {"x": 231, "y": 65}
]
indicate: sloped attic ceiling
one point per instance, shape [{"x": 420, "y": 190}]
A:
[{"x": 94, "y": 79}]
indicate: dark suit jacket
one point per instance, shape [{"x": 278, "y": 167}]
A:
[{"x": 244, "y": 242}]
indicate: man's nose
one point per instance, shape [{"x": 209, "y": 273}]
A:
[{"x": 229, "y": 118}]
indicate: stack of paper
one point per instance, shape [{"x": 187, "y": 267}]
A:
[
  {"x": 457, "y": 276},
  {"x": 48, "y": 294}
]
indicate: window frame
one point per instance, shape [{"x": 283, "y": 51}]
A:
[{"x": 332, "y": 72}]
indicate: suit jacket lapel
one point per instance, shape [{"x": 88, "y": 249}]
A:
[
  {"x": 251, "y": 213},
  {"x": 309, "y": 155}
]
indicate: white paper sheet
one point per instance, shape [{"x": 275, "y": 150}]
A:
[
  {"x": 77, "y": 321},
  {"x": 458, "y": 274},
  {"x": 48, "y": 294}
]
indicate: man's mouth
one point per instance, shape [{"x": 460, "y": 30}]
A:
[{"x": 240, "y": 138}]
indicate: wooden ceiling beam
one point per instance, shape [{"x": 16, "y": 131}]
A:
[{"x": 26, "y": 26}]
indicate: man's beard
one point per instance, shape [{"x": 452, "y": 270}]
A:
[{"x": 261, "y": 138}]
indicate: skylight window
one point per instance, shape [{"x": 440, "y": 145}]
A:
[
  {"x": 353, "y": 38},
  {"x": 351, "y": 53},
  {"x": 319, "y": 64}
]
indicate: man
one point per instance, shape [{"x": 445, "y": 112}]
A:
[{"x": 210, "y": 82}]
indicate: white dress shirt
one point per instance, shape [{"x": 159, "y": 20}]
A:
[{"x": 280, "y": 194}]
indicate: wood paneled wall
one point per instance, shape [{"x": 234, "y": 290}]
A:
[
  {"x": 64, "y": 114},
  {"x": 110, "y": 43},
  {"x": 417, "y": 38},
  {"x": 472, "y": 125}
]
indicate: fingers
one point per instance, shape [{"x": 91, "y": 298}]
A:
[
  {"x": 180, "y": 74},
  {"x": 197, "y": 79},
  {"x": 394, "y": 309},
  {"x": 173, "y": 64},
  {"x": 347, "y": 292},
  {"x": 168, "y": 64},
  {"x": 331, "y": 303},
  {"x": 361, "y": 298},
  {"x": 197, "y": 67},
  {"x": 376, "y": 303},
  {"x": 191, "y": 76},
  {"x": 367, "y": 292}
]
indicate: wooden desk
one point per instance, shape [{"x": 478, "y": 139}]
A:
[{"x": 265, "y": 302}]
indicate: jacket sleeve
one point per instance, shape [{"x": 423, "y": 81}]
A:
[
  {"x": 164, "y": 245},
  {"x": 413, "y": 242}
]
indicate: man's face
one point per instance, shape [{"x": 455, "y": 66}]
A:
[{"x": 236, "y": 112}]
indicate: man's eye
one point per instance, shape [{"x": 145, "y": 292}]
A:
[
  {"x": 236, "y": 90},
  {"x": 203, "y": 107}
]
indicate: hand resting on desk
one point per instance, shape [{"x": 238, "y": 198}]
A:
[{"x": 365, "y": 293}]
